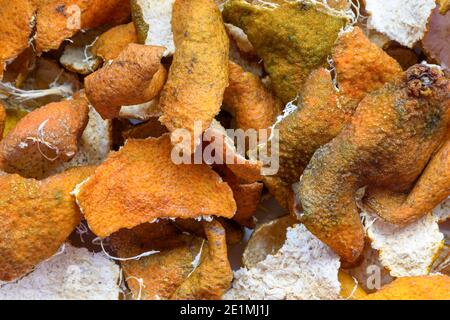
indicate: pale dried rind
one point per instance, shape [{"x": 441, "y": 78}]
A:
[
  {"x": 36, "y": 218},
  {"x": 44, "y": 138},
  {"x": 404, "y": 21},
  {"x": 310, "y": 271},
  {"x": 152, "y": 19},
  {"x": 199, "y": 72},
  {"x": 73, "y": 274},
  {"x": 405, "y": 251},
  {"x": 136, "y": 76},
  {"x": 141, "y": 183}
]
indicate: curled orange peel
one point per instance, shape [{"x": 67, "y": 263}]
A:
[
  {"x": 112, "y": 42},
  {"x": 44, "y": 138},
  {"x": 141, "y": 183},
  {"x": 136, "y": 76}
]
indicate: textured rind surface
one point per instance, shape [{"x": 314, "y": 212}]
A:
[
  {"x": 112, "y": 42},
  {"x": 432, "y": 287},
  {"x": 73, "y": 274},
  {"x": 361, "y": 67},
  {"x": 212, "y": 278},
  {"x": 199, "y": 72},
  {"x": 15, "y": 29},
  {"x": 317, "y": 120},
  {"x": 405, "y": 251},
  {"x": 404, "y": 21},
  {"x": 310, "y": 271},
  {"x": 153, "y": 20},
  {"x": 135, "y": 76},
  {"x": 187, "y": 267},
  {"x": 44, "y": 138},
  {"x": 252, "y": 104},
  {"x": 58, "y": 20},
  {"x": 141, "y": 183},
  {"x": 293, "y": 39},
  {"x": 36, "y": 217},
  {"x": 392, "y": 136}
]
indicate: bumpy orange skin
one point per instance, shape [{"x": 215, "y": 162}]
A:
[
  {"x": 135, "y": 77},
  {"x": 36, "y": 217},
  {"x": 317, "y": 121},
  {"x": 140, "y": 183},
  {"x": 361, "y": 67},
  {"x": 111, "y": 43},
  {"x": 58, "y": 20},
  {"x": 170, "y": 274},
  {"x": 392, "y": 136},
  {"x": 199, "y": 72},
  {"x": 432, "y": 287},
  {"x": 212, "y": 278},
  {"x": 44, "y": 138},
  {"x": 252, "y": 104},
  {"x": 15, "y": 29}
]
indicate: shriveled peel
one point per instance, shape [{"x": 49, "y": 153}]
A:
[
  {"x": 213, "y": 276},
  {"x": 405, "y": 251},
  {"x": 267, "y": 239},
  {"x": 2, "y": 120},
  {"x": 199, "y": 72},
  {"x": 58, "y": 20},
  {"x": 44, "y": 138},
  {"x": 142, "y": 112},
  {"x": 187, "y": 267},
  {"x": 36, "y": 218},
  {"x": 141, "y": 183},
  {"x": 432, "y": 287},
  {"x": 252, "y": 104},
  {"x": 361, "y": 67},
  {"x": 433, "y": 43},
  {"x": 136, "y": 76},
  {"x": 15, "y": 29},
  {"x": 293, "y": 38},
  {"x": 112, "y": 42},
  {"x": 151, "y": 128}
]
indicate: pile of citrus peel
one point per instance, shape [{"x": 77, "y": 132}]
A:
[{"x": 351, "y": 97}]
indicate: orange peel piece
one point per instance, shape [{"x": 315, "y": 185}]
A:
[
  {"x": 136, "y": 76},
  {"x": 199, "y": 72},
  {"x": 15, "y": 29},
  {"x": 36, "y": 218},
  {"x": 361, "y": 67},
  {"x": 2, "y": 119},
  {"x": 186, "y": 267},
  {"x": 432, "y": 287},
  {"x": 350, "y": 288},
  {"x": 141, "y": 183},
  {"x": 44, "y": 138},
  {"x": 252, "y": 104},
  {"x": 58, "y": 20},
  {"x": 212, "y": 278},
  {"x": 111, "y": 43}
]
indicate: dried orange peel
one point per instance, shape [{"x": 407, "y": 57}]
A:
[
  {"x": 388, "y": 143},
  {"x": 433, "y": 287},
  {"x": 44, "y": 138},
  {"x": 36, "y": 218},
  {"x": 111, "y": 43},
  {"x": 198, "y": 75},
  {"x": 186, "y": 266},
  {"x": 252, "y": 104},
  {"x": 15, "y": 30},
  {"x": 140, "y": 183},
  {"x": 136, "y": 76},
  {"x": 58, "y": 20}
]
